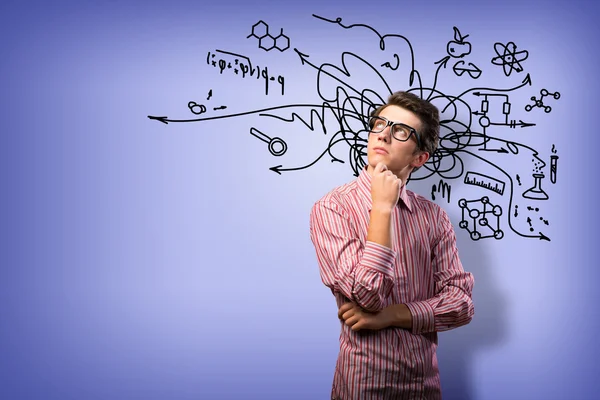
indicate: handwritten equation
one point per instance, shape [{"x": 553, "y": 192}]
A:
[{"x": 242, "y": 65}]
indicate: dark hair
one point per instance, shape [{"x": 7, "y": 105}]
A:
[{"x": 427, "y": 113}]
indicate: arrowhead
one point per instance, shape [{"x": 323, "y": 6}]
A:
[
  {"x": 477, "y": 93},
  {"x": 443, "y": 61},
  {"x": 525, "y": 124},
  {"x": 276, "y": 169},
  {"x": 502, "y": 150},
  {"x": 527, "y": 80},
  {"x": 544, "y": 237},
  {"x": 161, "y": 119},
  {"x": 302, "y": 56}
]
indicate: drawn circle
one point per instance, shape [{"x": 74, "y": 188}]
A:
[
  {"x": 498, "y": 234},
  {"x": 483, "y": 222},
  {"x": 485, "y": 199},
  {"x": 512, "y": 147},
  {"x": 497, "y": 211},
  {"x": 484, "y": 121},
  {"x": 474, "y": 213},
  {"x": 556, "y": 95},
  {"x": 463, "y": 224},
  {"x": 462, "y": 203},
  {"x": 277, "y": 146},
  {"x": 196, "y": 108},
  {"x": 475, "y": 235},
  {"x": 547, "y": 109},
  {"x": 544, "y": 92},
  {"x": 529, "y": 107}
]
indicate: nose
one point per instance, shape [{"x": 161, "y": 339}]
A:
[{"x": 384, "y": 134}]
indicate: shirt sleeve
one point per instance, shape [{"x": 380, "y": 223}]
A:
[
  {"x": 361, "y": 272},
  {"x": 452, "y": 305}
]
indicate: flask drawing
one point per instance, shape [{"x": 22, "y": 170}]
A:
[{"x": 536, "y": 192}]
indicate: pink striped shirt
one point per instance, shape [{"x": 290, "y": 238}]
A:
[{"x": 422, "y": 270}]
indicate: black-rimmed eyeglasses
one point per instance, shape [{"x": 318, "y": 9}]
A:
[{"x": 400, "y": 131}]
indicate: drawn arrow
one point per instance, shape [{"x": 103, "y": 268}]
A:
[
  {"x": 166, "y": 120},
  {"x": 278, "y": 168},
  {"x": 443, "y": 63},
  {"x": 303, "y": 59},
  {"x": 525, "y": 82},
  {"x": 525, "y": 124}
]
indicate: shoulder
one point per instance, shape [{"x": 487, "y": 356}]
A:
[
  {"x": 339, "y": 198},
  {"x": 430, "y": 210}
]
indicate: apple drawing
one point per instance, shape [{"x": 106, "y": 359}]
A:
[{"x": 458, "y": 47}]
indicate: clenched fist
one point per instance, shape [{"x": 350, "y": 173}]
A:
[{"x": 385, "y": 188}]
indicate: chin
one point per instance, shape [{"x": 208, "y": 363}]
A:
[{"x": 374, "y": 158}]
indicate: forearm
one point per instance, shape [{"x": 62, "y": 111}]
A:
[
  {"x": 361, "y": 272},
  {"x": 398, "y": 316},
  {"x": 380, "y": 226},
  {"x": 449, "y": 309}
]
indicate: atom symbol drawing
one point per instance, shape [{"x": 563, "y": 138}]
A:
[{"x": 509, "y": 58}]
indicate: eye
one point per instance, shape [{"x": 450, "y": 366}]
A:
[{"x": 401, "y": 132}]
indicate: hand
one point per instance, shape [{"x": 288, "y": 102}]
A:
[
  {"x": 385, "y": 187},
  {"x": 357, "y": 318}
]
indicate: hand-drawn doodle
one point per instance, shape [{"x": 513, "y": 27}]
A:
[
  {"x": 260, "y": 30},
  {"x": 458, "y": 48},
  {"x": 243, "y": 64},
  {"x": 485, "y": 122},
  {"x": 350, "y": 88},
  {"x": 443, "y": 188},
  {"x": 509, "y": 57},
  {"x": 484, "y": 181},
  {"x": 553, "y": 165},
  {"x": 536, "y": 192},
  {"x": 480, "y": 216},
  {"x": 471, "y": 69},
  {"x": 540, "y": 103},
  {"x": 196, "y": 108},
  {"x": 277, "y": 146},
  {"x": 209, "y": 94}
]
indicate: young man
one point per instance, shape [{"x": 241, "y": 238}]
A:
[{"x": 389, "y": 256}]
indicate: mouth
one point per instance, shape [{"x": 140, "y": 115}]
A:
[{"x": 380, "y": 150}]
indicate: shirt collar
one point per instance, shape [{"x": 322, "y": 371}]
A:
[{"x": 364, "y": 190}]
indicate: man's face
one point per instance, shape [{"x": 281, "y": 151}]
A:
[{"x": 399, "y": 157}]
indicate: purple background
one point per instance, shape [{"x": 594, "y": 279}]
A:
[{"x": 149, "y": 261}]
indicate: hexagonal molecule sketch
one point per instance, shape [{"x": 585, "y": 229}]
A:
[{"x": 266, "y": 41}]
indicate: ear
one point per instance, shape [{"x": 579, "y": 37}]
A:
[{"x": 420, "y": 159}]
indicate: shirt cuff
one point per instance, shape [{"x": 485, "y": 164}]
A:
[
  {"x": 423, "y": 317},
  {"x": 379, "y": 258}
]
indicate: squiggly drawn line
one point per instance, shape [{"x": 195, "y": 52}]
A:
[
  {"x": 443, "y": 62},
  {"x": 166, "y": 120},
  {"x": 313, "y": 114},
  {"x": 381, "y": 40},
  {"x": 388, "y": 65},
  {"x": 304, "y": 60}
]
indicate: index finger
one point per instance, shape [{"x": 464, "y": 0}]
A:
[
  {"x": 380, "y": 167},
  {"x": 345, "y": 307}
]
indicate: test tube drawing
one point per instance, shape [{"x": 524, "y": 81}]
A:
[
  {"x": 553, "y": 164},
  {"x": 277, "y": 146}
]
